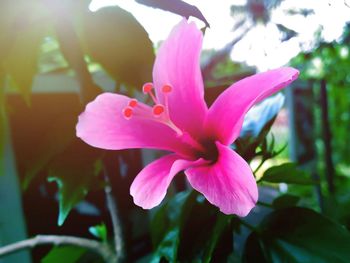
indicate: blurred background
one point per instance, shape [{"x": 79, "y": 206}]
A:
[{"x": 55, "y": 56}]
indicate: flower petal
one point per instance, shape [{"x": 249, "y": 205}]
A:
[
  {"x": 228, "y": 184},
  {"x": 225, "y": 116},
  {"x": 151, "y": 184},
  {"x": 177, "y": 64},
  {"x": 103, "y": 125}
]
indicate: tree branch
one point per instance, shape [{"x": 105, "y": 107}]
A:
[{"x": 106, "y": 253}]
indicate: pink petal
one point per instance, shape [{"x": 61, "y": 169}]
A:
[
  {"x": 228, "y": 184},
  {"x": 151, "y": 184},
  {"x": 103, "y": 125},
  {"x": 177, "y": 64},
  {"x": 225, "y": 116}
]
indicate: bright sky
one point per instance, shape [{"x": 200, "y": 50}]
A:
[{"x": 261, "y": 47}]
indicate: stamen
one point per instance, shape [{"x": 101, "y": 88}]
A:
[
  {"x": 159, "y": 112},
  {"x": 132, "y": 103},
  {"x": 147, "y": 88},
  {"x": 167, "y": 88},
  {"x": 127, "y": 112},
  {"x": 158, "y": 109}
]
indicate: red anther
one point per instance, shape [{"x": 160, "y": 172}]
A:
[
  {"x": 167, "y": 88},
  {"x": 147, "y": 87},
  {"x": 158, "y": 109},
  {"x": 127, "y": 112},
  {"x": 132, "y": 103}
]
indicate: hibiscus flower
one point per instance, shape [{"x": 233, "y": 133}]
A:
[{"x": 180, "y": 122}]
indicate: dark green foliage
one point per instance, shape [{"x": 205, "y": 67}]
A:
[
  {"x": 298, "y": 235},
  {"x": 185, "y": 228},
  {"x": 64, "y": 16},
  {"x": 285, "y": 200},
  {"x": 99, "y": 231},
  {"x": 287, "y": 173},
  {"x": 66, "y": 254},
  {"x": 116, "y": 40},
  {"x": 55, "y": 140},
  {"x": 178, "y": 235},
  {"x": 166, "y": 224},
  {"x": 330, "y": 61},
  {"x": 221, "y": 232},
  {"x": 75, "y": 174}
]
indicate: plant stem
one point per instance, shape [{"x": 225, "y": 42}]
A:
[
  {"x": 259, "y": 166},
  {"x": 116, "y": 222},
  {"x": 104, "y": 250}
]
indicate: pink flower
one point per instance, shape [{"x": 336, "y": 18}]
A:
[{"x": 181, "y": 122}]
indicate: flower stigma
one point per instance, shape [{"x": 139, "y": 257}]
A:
[{"x": 159, "y": 113}]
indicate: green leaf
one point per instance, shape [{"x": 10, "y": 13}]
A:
[
  {"x": 99, "y": 231},
  {"x": 177, "y": 231},
  {"x": 287, "y": 173},
  {"x": 22, "y": 71},
  {"x": 286, "y": 200},
  {"x": 19, "y": 55},
  {"x": 253, "y": 250},
  {"x": 168, "y": 247},
  {"x": 196, "y": 244},
  {"x": 116, "y": 40},
  {"x": 55, "y": 140},
  {"x": 167, "y": 223},
  {"x": 221, "y": 226},
  {"x": 63, "y": 15},
  {"x": 298, "y": 234},
  {"x": 66, "y": 254},
  {"x": 75, "y": 172}
]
